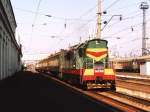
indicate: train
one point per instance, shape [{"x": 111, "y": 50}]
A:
[
  {"x": 85, "y": 64},
  {"x": 127, "y": 65}
]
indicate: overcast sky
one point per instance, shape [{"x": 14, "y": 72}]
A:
[{"x": 73, "y": 21}]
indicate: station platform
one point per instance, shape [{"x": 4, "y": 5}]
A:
[
  {"x": 33, "y": 92},
  {"x": 133, "y": 84},
  {"x": 132, "y": 75}
]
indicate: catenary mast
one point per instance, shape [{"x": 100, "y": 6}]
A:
[
  {"x": 144, "y": 6},
  {"x": 99, "y": 19}
]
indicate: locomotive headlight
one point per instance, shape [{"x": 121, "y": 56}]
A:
[
  {"x": 97, "y": 42},
  {"x": 99, "y": 71},
  {"x": 74, "y": 66}
]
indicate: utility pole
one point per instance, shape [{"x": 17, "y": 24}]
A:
[
  {"x": 99, "y": 19},
  {"x": 144, "y": 6}
]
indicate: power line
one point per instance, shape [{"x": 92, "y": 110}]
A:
[
  {"x": 122, "y": 30},
  {"x": 129, "y": 17},
  {"x": 56, "y": 17},
  {"x": 111, "y": 5},
  {"x": 133, "y": 16},
  {"x": 126, "y": 7},
  {"x": 90, "y": 10},
  {"x": 36, "y": 13},
  {"x": 123, "y": 43},
  {"x": 34, "y": 20},
  {"x": 83, "y": 25},
  {"x": 124, "y": 19}
]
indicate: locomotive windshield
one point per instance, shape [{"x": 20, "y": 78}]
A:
[
  {"x": 88, "y": 63},
  {"x": 99, "y": 65}
]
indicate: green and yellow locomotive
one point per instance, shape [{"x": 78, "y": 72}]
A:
[{"x": 85, "y": 64}]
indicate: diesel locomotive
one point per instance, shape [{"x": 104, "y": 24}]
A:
[{"x": 86, "y": 64}]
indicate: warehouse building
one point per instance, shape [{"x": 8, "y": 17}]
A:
[{"x": 10, "y": 51}]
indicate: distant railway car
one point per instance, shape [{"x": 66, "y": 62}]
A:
[
  {"x": 126, "y": 65},
  {"x": 85, "y": 64}
]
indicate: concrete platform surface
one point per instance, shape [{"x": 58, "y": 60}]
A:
[{"x": 27, "y": 91}]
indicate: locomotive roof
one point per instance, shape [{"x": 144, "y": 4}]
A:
[
  {"x": 72, "y": 48},
  {"x": 98, "y": 39},
  {"x": 91, "y": 40}
]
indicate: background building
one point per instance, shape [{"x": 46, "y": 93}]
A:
[{"x": 10, "y": 51}]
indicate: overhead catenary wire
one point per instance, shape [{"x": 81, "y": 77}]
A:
[
  {"x": 34, "y": 20},
  {"x": 129, "y": 27},
  {"x": 129, "y": 17},
  {"x": 125, "y": 29},
  {"x": 61, "y": 18},
  {"x": 128, "y": 41},
  {"x": 86, "y": 22},
  {"x": 87, "y": 12},
  {"x": 128, "y": 6},
  {"x": 109, "y": 8},
  {"x": 36, "y": 13},
  {"x": 71, "y": 19},
  {"x": 112, "y": 4},
  {"x": 53, "y": 16},
  {"x": 123, "y": 19}
]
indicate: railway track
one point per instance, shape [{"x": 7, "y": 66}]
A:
[
  {"x": 132, "y": 102},
  {"x": 117, "y": 100},
  {"x": 134, "y": 86},
  {"x": 135, "y": 79},
  {"x": 132, "y": 76}
]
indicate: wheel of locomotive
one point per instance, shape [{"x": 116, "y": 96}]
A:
[
  {"x": 84, "y": 86},
  {"x": 113, "y": 86}
]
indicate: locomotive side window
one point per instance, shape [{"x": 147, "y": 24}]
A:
[{"x": 81, "y": 52}]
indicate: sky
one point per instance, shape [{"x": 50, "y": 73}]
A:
[{"x": 46, "y": 26}]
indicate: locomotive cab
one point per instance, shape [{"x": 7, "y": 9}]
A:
[{"x": 97, "y": 72}]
